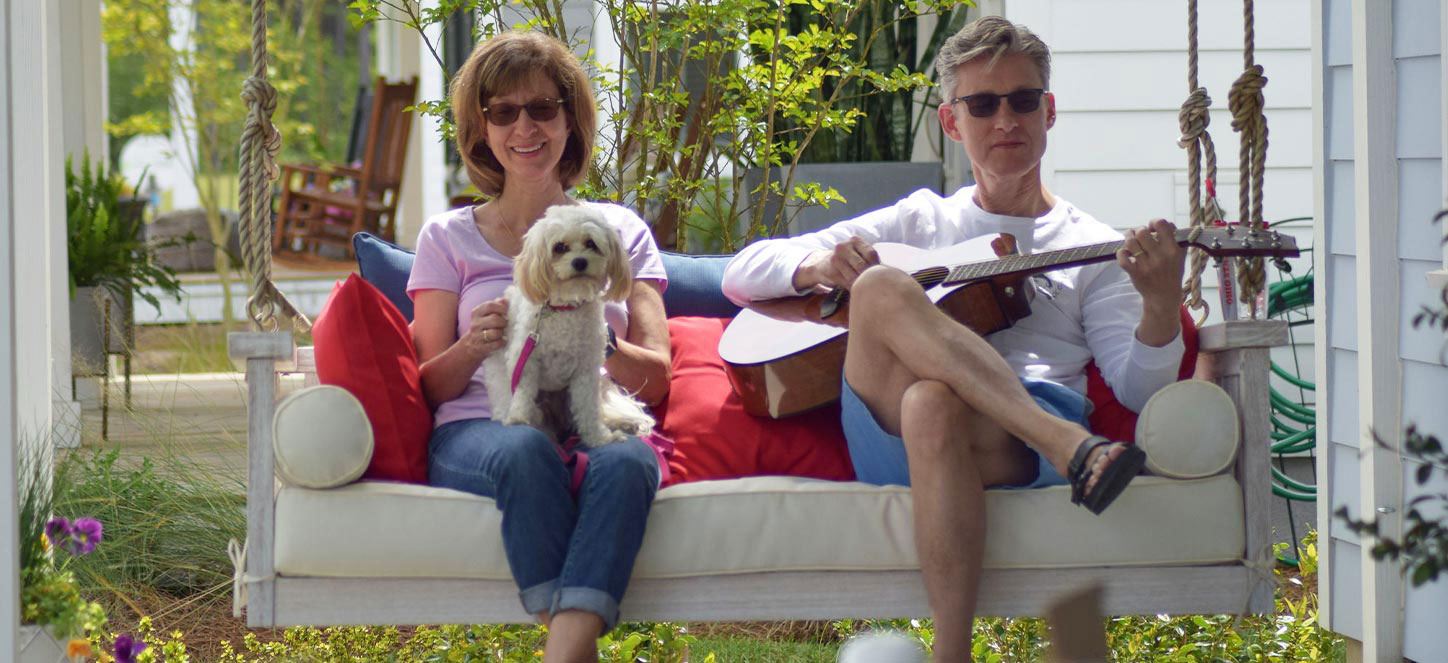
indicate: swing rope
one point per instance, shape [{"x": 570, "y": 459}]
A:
[
  {"x": 1245, "y": 102},
  {"x": 260, "y": 142},
  {"x": 1194, "y": 117}
]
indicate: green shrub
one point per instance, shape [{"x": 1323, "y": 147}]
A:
[{"x": 167, "y": 522}]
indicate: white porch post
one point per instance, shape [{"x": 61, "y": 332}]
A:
[
  {"x": 183, "y": 112},
  {"x": 9, "y": 512},
  {"x": 83, "y": 95},
  {"x": 401, "y": 55},
  {"x": 31, "y": 199},
  {"x": 1375, "y": 221}
]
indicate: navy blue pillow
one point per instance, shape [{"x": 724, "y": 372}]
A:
[
  {"x": 693, "y": 280},
  {"x": 694, "y": 283},
  {"x": 386, "y": 266}
]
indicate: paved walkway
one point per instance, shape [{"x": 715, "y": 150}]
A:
[{"x": 201, "y": 415}]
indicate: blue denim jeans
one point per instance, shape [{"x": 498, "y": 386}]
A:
[
  {"x": 879, "y": 457},
  {"x": 565, "y": 555}
]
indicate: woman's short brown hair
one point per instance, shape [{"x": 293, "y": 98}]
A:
[{"x": 503, "y": 64}]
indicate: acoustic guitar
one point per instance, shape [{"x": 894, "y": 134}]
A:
[{"x": 786, "y": 356}]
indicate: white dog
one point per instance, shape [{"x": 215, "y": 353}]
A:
[{"x": 571, "y": 262}]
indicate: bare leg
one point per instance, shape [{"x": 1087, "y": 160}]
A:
[
  {"x": 898, "y": 337},
  {"x": 948, "y": 476},
  {"x": 573, "y": 637},
  {"x": 963, "y": 415}
]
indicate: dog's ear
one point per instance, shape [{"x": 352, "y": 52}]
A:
[
  {"x": 532, "y": 269},
  {"x": 620, "y": 272}
]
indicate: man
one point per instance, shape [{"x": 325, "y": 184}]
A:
[{"x": 930, "y": 404}]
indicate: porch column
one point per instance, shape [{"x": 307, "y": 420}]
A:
[
  {"x": 1379, "y": 310},
  {"x": 31, "y": 201},
  {"x": 401, "y": 54},
  {"x": 83, "y": 95}
]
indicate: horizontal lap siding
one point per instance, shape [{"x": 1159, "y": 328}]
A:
[{"x": 1418, "y": 113}]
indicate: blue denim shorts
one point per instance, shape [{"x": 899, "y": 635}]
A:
[{"x": 879, "y": 457}]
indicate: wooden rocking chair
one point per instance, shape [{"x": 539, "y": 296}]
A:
[{"x": 328, "y": 205}]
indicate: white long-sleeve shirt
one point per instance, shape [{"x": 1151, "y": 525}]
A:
[{"x": 1078, "y": 312}]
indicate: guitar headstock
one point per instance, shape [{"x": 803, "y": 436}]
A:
[{"x": 1239, "y": 241}]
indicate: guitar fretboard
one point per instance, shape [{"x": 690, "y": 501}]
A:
[{"x": 1036, "y": 262}]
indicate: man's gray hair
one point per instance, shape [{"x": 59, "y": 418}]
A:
[{"x": 991, "y": 36}]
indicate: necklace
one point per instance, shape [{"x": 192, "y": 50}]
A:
[{"x": 515, "y": 237}]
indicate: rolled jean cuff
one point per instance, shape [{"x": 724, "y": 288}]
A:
[
  {"x": 591, "y": 600},
  {"x": 538, "y": 599}
]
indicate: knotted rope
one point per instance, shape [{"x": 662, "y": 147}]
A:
[
  {"x": 260, "y": 142},
  {"x": 1194, "y": 117},
  {"x": 240, "y": 579},
  {"x": 1245, "y": 102}
]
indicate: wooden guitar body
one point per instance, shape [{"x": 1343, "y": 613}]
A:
[{"x": 784, "y": 358}]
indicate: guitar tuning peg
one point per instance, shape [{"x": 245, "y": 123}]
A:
[{"x": 1282, "y": 264}]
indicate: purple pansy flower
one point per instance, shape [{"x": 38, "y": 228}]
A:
[
  {"x": 85, "y": 533},
  {"x": 57, "y": 530},
  {"x": 128, "y": 648}
]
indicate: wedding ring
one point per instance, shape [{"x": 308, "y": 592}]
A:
[{"x": 1137, "y": 253}]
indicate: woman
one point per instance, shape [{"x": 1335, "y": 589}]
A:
[{"x": 525, "y": 125}]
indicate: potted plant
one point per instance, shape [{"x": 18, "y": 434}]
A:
[
  {"x": 109, "y": 261},
  {"x": 56, "y": 622}
]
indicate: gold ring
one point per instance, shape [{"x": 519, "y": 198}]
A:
[{"x": 1137, "y": 253}]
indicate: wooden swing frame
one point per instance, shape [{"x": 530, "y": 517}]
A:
[{"x": 1234, "y": 355}]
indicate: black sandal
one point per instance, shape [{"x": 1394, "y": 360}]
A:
[{"x": 1114, "y": 477}]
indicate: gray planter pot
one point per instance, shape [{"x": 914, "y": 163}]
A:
[
  {"x": 87, "y": 334},
  {"x": 866, "y": 186},
  {"x": 37, "y": 645}
]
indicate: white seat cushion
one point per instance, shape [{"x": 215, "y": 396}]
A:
[{"x": 376, "y": 529}]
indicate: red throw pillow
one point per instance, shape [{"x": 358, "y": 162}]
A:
[
  {"x": 363, "y": 345},
  {"x": 716, "y": 439},
  {"x": 1112, "y": 419}
]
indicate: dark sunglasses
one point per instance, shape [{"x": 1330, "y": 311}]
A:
[
  {"x": 986, "y": 104},
  {"x": 503, "y": 113}
]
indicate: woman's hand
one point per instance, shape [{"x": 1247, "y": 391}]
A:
[
  {"x": 487, "y": 327},
  {"x": 837, "y": 267},
  {"x": 1155, "y": 263}
]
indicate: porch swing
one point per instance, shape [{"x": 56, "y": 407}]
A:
[{"x": 1193, "y": 538}]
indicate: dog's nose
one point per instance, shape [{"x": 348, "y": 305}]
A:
[{"x": 580, "y": 264}]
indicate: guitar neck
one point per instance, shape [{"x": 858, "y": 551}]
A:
[
  {"x": 1216, "y": 241},
  {"x": 1036, "y": 262}
]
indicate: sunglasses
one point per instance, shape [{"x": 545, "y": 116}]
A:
[
  {"x": 985, "y": 104},
  {"x": 503, "y": 113}
]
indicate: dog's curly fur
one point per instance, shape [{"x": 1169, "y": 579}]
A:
[{"x": 571, "y": 263}]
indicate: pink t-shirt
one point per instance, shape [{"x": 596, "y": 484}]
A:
[{"x": 452, "y": 255}]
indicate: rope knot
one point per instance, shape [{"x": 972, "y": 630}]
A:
[
  {"x": 257, "y": 91},
  {"x": 1245, "y": 98},
  {"x": 1194, "y": 117}
]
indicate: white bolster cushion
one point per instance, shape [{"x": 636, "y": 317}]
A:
[
  {"x": 321, "y": 437},
  {"x": 1188, "y": 430}
]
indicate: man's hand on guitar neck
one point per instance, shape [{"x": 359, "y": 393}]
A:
[
  {"x": 837, "y": 267},
  {"x": 1155, "y": 262}
]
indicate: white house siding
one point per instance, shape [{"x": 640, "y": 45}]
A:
[
  {"x": 1119, "y": 72},
  {"x": 1421, "y": 378}
]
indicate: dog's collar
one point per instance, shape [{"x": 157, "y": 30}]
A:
[{"x": 569, "y": 307}]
